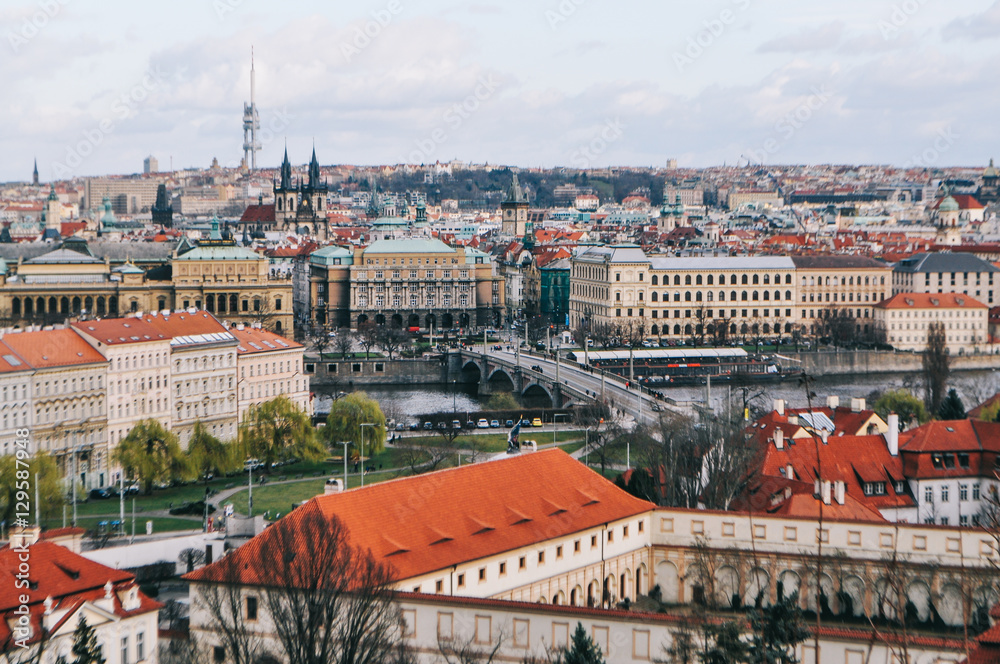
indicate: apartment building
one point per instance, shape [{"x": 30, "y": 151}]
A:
[
  {"x": 268, "y": 366},
  {"x": 906, "y": 319},
  {"x": 945, "y": 272},
  {"x": 138, "y": 373},
  {"x": 16, "y": 407},
  {"x": 681, "y": 297},
  {"x": 202, "y": 372},
  {"x": 837, "y": 285},
  {"x": 65, "y": 392}
]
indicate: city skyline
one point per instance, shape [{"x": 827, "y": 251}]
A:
[{"x": 906, "y": 83}]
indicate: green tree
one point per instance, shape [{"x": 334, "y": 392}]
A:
[
  {"x": 151, "y": 454},
  {"x": 347, "y": 414},
  {"x": 952, "y": 407},
  {"x": 723, "y": 644},
  {"x": 209, "y": 455},
  {"x": 502, "y": 401},
  {"x": 86, "y": 650},
  {"x": 582, "y": 649},
  {"x": 51, "y": 488},
  {"x": 937, "y": 366},
  {"x": 777, "y": 630},
  {"x": 904, "y": 404},
  {"x": 279, "y": 430}
]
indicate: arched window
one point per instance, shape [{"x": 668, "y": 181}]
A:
[
  {"x": 746, "y": 296},
  {"x": 687, "y": 296},
  {"x": 709, "y": 296},
  {"x": 697, "y": 280},
  {"x": 640, "y": 296},
  {"x": 687, "y": 279},
  {"x": 732, "y": 280},
  {"x": 655, "y": 295},
  {"x": 710, "y": 281},
  {"x": 788, "y": 295},
  {"x": 677, "y": 329},
  {"x": 677, "y": 280},
  {"x": 767, "y": 295},
  {"x": 788, "y": 278},
  {"x": 697, "y": 296},
  {"x": 732, "y": 296},
  {"x": 656, "y": 280},
  {"x": 767, "y": 279},
  {"x": 777, "y": 295},
  {"x": 746, "y": 279},
  {"x": 722, "y": 296},
  {"x": 756, "y": 279},
  {"x": 677, "y": 297}
]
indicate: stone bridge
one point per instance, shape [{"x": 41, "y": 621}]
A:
[{"x": 494, "y": 374}]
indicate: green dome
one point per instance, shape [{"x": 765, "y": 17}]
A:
[
  {"x": 991, "y": 171},
  {"x": 949, "y": 204}
]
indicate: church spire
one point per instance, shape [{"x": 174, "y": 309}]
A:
[
  {"x": 34, "y": 177},
  {"x": 314, "y": 175},
  {"x": 286, "y": 172},
  {"x": 515, "y": 194}
]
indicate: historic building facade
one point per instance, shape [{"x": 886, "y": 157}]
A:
[
  {"x": 407, "y": 283},
  {"x": 840, "y": 285}
]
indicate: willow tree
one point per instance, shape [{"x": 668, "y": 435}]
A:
[
  {"x": 278, "y": 430},
  {"x": 209, "y": 455},
  {"x": 151, "y": 455},
  {"x": 348, "y": 414},
  {"x": 51, "y": 490}
]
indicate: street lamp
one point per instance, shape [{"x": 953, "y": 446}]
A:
[
  {"x": 345, "y": 444},
  {"x": 366, "y": 424}
]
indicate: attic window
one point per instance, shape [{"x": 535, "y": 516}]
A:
[
  {"x": 963, "y": 460},
  {"x": 949, "y": 460},
  {"x": 71, "y": 573}
]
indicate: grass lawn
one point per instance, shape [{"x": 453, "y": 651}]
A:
[
  {"x": 279, "y": 498},
  {"x": 160, "y": 523},
  {"x": 495, "y": 442}
]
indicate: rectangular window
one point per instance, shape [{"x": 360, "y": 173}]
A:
[
  {"x": 140, "y": 646},
  {"x": 218, "y": 654},
  {"x": 439, "y": 586},
  {"x": 521, "y": 563},
  {"x": 975, "y": 492},
  {"x": 593, "y": 541},
  {"x": 124, "y": 650},
  {"x": 963, "y": 492},
  {"x": 461, "y": 580},
  {"x": 251, "y": 603},
  {"x": 503, "y": 568},
  {"x": 482, "y": 573},
  {"x": 541, "y": 557},
  {"x": 576, "y": 546},
  {"x": 928, "y": 494},
  {"x": 944, "y": 494}
]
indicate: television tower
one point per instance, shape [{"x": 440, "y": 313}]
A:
[{"x": 251, "y": 124}]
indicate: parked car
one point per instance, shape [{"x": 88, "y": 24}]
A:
[
  {"x": 525, "y": 423},
  {"x": 442, "y": 425},
  {"x": 495, "y": 424},
  {"x": 103, "y": 493},
  {"x": 251, "y": 464},
  {"x": 414, "y": 426},
  {"x": 428, "y": 426},
  {"x": 484, "y": 424},
  {"x": 471, "y": 424},
  {"x": 400, "y": 426},
  {"x": 455, "y": 424},
  {"x": 537, "y": 422},
  {"x": 132, "y": 488},
  {"x": 509, "y": 423}
]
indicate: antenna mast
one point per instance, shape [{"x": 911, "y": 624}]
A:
[{"x": 251, "y": 123}]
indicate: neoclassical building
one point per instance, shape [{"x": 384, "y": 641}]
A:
[
  {"x": 406, "y": 283},
  {"x": 44, "y": 285}
]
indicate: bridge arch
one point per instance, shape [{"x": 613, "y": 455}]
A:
[
  {"x": 471, "y": 373},
  {"x": 500, "y": 380},
  {"x": 537, "y": 395}
]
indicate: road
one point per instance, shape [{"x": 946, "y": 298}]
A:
[{"x": 639, "y": 406}]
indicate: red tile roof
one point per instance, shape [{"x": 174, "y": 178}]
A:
[
  {"x": 252, "y": 340},
  {"x": 185, "y": 324},
  {"x": 68, "y": 578},
  {"x": 258, "y": 214},
  {"x": 792, "y": 498},
  {"x": 117, "y": 331},
  {"x": 422, "y": 524},
  {"x": 52, "y": 348},
  {"x": 930, "y": 301}
]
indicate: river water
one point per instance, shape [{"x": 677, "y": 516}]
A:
[{"x": 405, "y": 402}]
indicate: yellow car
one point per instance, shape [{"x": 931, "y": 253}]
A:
[{"x": 537, "y": 422}]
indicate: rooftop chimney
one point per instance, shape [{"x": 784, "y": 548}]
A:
[
  {"x": 833, "y": 402},
  {"x": 892, "y": 435},
  {"x": 826, "y": 492},
  {"x": 789, "y": 472},
  {"x": 779, "y": 439},
  {"x": 840, "y": 491},
  {"x": 779, "y": 406},
  {"x": 333, "y": 485},
  {"x": 857, "y": 405},
  {"x": 825, "y": 435}
]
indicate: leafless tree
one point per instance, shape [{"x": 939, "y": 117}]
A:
[
  {"x": 467, "y": 650},
  {"x": 368, "y": 336},
  {"x": 603, "y": 335},
  {"x": 391, "y": 339},
  {"x": 667, "y": 451},
  {"x": 699, "y": 330},
  {"x": 343, "y": 343},
  {"x": 320, "y": 338},
  {"x": 731, "y": 461},
  {"x": 224, "y": 604},
  {"x": 262, "y": 312},
  {"x": 328, "y": 600}
]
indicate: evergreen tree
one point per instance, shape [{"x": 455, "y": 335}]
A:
[
  {"x": 777, "y": 629},
  {"x": 582, "y": 650},
  {"x": 952, "y": 407},
  {"x": 86, "y": 650},
  {"x": 724, "y": 644}
]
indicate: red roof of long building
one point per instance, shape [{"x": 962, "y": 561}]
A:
[{"x": 422, "y": 524}]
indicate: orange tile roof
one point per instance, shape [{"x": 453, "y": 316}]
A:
[
  {"x": 930, "y": 301},
  {"x": 184, "y": 324},
  {"x": 252, "y": 340},
  {"x": 52, "y": 348},
  {"x": 426, "y": 523},
  {"x": 795, "y": 499},
  {"x": 117, "y": 331}
]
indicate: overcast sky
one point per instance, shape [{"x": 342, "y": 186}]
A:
[{"x": 93, "y": 87}]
